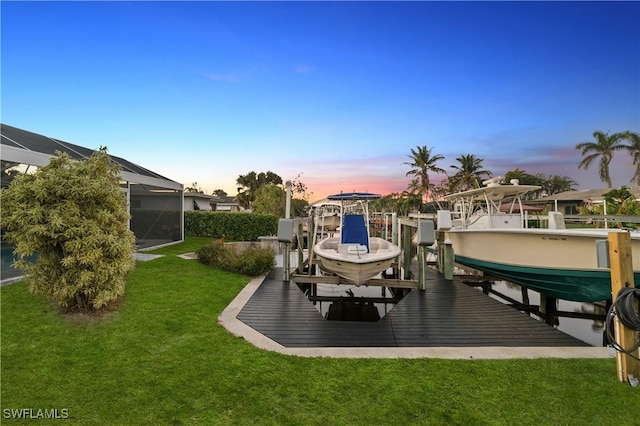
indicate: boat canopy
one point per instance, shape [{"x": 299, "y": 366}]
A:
[
  {"x": 348, "y": 196},
  {"x": 497, "y": 192}
]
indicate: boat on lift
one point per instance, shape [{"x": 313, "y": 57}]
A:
[
  {"x": 489, "y": 232},
  {"x": 354, "y": 254}
]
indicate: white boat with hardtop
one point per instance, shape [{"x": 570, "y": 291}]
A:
[{"x": 489, "y": 232}]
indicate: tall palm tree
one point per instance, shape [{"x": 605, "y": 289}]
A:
[
  {"x": 602, "y": 148},
  {"x": 469, "y": 172},
  {"x": 634, "y": 150},
  {"x": 422, "y": 162}
]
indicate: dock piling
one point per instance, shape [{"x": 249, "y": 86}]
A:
[
  {"x": 622, "y": 277},
  {"x": 448, "y": 260}
]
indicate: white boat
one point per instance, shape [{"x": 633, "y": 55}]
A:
[
  {"x": 491, "y": 235},
  {"x": 355, "y": 255},
  {"x": 328, "y": 216}
]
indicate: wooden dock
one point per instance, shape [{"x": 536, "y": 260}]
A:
[{"x": 446, "y": 314}]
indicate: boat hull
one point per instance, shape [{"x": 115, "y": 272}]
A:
[
  {"x": 329, "y": 223},
  {"x": 355, "y": 266},
  {"x": 557, "y": 263}
]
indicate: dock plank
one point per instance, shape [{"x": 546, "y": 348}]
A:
[{"x": 446, "y": 314}]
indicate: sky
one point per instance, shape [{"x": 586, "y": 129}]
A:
[{"x": 332, "y": 94}]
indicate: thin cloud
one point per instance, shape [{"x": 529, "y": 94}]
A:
[
  {"x": 229, "y": 78},
  {"x": 303, "y": 69}
]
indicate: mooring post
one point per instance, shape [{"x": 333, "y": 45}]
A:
[
  {"x": 286, "y": 257},
  {"x": 525, "y": 298},
  {"x": 444, "y": 223},
  {"x": 548, "y": 307},
  {"x": 300, "y": 237},
  {"x": 448, "y": 260},
  {"x": 422, "y": 266},
  {"x": 394, "y": 228},
  {"x": 622, "y": 277},
  {"x": 406, "y": 251},
  {"x": 426, "y": 238},
  {"x": 285, "y": 236},
  {"x": 440, "y": 251}
]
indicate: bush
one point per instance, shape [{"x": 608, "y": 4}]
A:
[
  {"x": 229, "y": 226},
  {"x": 252, "y": 261},
  {"x": 73, "y": 215}
]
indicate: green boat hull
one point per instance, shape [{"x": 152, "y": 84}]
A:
[{"x": 574, "y": 285}]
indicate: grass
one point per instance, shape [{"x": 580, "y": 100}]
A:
[{"x": 162, "y": 359}]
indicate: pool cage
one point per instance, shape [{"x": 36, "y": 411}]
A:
[{"x": 155, "y": 202}]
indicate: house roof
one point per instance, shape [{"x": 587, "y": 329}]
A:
[
  {"x": 15, "y": 139},
  {"x": 582, "y": 195},
  {"x": 224, "y": 199},
  {"x": 188, "y": 194}
]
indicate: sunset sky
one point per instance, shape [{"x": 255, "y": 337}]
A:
[{"x": 338, "y": 92}]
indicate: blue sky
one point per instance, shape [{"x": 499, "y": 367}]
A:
[{"x": 338, "y": 91}]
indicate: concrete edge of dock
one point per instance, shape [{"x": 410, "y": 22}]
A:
[{"x": 228, "y": 319}]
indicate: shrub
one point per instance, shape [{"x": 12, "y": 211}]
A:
[
  {"x": 252, "y": 261},
  {"x": 229, "y": 226},
  {"x": 73, "y": 215}
]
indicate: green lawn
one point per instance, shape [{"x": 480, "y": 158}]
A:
[{"x": 162, "y": 359}]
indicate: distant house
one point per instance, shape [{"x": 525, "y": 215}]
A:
[
  {"x": 226, "y": 203},
  {"x": 570, "y": 201},
  {"x": 197, "y": 201}
]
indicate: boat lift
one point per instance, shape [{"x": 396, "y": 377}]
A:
[{"x": 293, "y": 230}]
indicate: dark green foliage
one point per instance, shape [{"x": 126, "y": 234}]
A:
[
  {"x": 252, "y": 261},
  {"x": 74, "y": 216},
  {"x": 230, "y": 226}
]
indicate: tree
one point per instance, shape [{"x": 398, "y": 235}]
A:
[
  {"x": 553, "y": 184},
  {"x": 469, "y": 174},
  {"x": 300, "y": 189},
  {"x": 522, "y": 176},
  {"x": 248, "y": 185},
  {"x": 602, "y": 148},
  {"x": 219, "y": 193},
  {"x": 269, "y": 199},
  {"x": 556, "y": 184},
  {"x": 634, "y": 150},
  {"x": 74, "y": 217},
  {"x": 193, "y": 188},
  {"x": 422, "y": 163}
]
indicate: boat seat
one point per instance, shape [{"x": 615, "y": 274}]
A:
[
  {"x": 352, "y": 249},
  {"x": 354, "y": 231}
]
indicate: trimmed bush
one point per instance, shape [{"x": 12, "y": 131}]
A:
[
  {"x": 229, "y": 226},
  {"x": 73, "y": 215},
  {"x": 252, "y": 261}
]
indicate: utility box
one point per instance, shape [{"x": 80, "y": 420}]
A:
[
  {"x": 285, "y": 230},
  {"x": 426, "y": 232},
  {"x": 444, "y": 220}
]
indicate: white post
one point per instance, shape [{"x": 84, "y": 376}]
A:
[
  {"x": 287, "y": 212},
  {"x": 394, "y": 228}
]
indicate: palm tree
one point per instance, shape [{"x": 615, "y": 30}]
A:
[
  {"x": 602, "y": 148},
  {"x": 469, "y": 173},
  {"x": 634, "y": 150},
  {"x": 422, "y": 162}
]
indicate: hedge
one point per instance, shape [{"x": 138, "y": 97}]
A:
[{"x": 229, "y": 226}]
